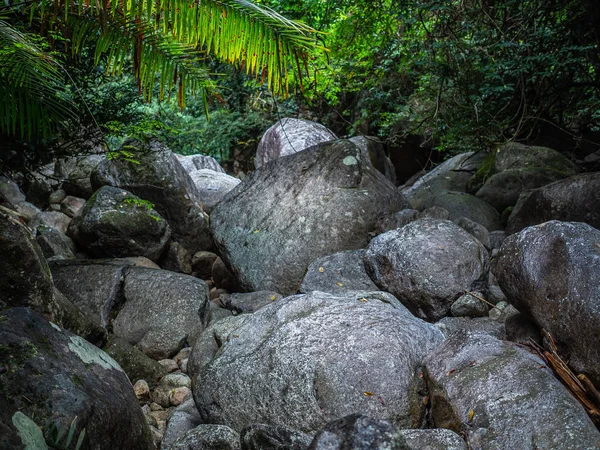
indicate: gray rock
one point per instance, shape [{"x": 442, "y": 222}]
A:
[
  {"x": 199, "y": 162},
  {"x": 28, "y": 211},
  {"x": 451, "y": 325},
  {"x": 208, "y": 437},
  {"x": 166, "y": 385},
  {"x": 502, "y": 311},
  {"x": 217, "y": 312},
  {"x": 503, "y": 397},
  {"x": 160, "y": 179},
  {"x": 75, "y": 172},
  {"x": 574, "y": 200},
  {"x": 92, "y": 286},
  {"x": 337, "y": 273},
  {"x": 182, "y": 419},
  {"x": 26, "y": 278},
  {"x": 476, "y": 230},
  {"x": 551, "y": 273},
  {"x": 269, "y": 437},
  {"x": 374, "y": 150},
  {"x": 177, "y": 259},
  {"x": 309, "y": 359},
  {"x": 10, "y": 191},
  {"x": 222, "y": 277},
  {"x": 136, "y": 365},
  {"x": 202, "y": 264},
  {"x": 289, "y": 136},
  {"x": 212, "y": 186},
  {"x": 435, "y": 439},
  {"x": 460, "y": 204},
  {"x": 396, "y": 220},
  {"x": 435, "y": 212},
  {"x": 251, "y": 302},
  {"x": 41, "y": 185},
  {"x": 496, "y": 238},
  {"x": 115, "y": 223},
  {"x": 52, "y": 219},
  {"x": 72, "y": 206},
  {"x": 53, "y": 377},
  {"x": 327, "y": 200},
  {"x": 162, "y": 311},
  {"x": 358, "y": 432},
  {"x": 469, "y": 306},
  {"x": 57, "y": 196},
  {"x": 427, "y": 264},
  {"x": 521, "y": 330},
  {"x": 54, "y": 244}
]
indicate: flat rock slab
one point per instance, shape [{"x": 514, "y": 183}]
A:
[
  {"x": 309, "y": 359},
  {"x": 51, "y": 377},
  {"x": 503, "y": 397},
  {"x": 292, "y": 211},
  {"x": 162, "y": 311},
  {"x": 551, "y": 273}
]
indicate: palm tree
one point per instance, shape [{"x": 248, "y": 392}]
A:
[{"x": 164, "y": 39}]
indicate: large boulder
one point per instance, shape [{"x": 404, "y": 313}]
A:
[
  {"x": 115, "y": 223},
  {"x": 163, "y": 310},
  {"x": 427, "y": 265},
  {"x": 575, "y": 199},
  {"x": 212, "y": 186},
  {"x": 26, "y": 278},
  {"x": 197, "y": 162},
  {"x": 338, "y": 273},
  {"x": 503, "y": 397},
  {"x": 265, "y": 437},
  {"x": 551, "y": 273},
  {"x": 308, "y": 359},
  {"x": 298, "y": 208},
  {"x": 374, "y": 150},
  {"x": 152, "y": 172},
  {"x": 75, "y": 171},
  {"x": 51, "y": 377},
  {"x": 519, "y": 167},
  {"x": 289, "y": 136}
]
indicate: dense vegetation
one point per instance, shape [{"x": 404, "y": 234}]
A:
[{"x": 464, "y": 74}]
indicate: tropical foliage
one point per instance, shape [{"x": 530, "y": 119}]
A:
[{"x": 165, "y": 42}]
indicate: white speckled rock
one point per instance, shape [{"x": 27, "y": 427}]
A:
[
  {"x": 433, "y": 439},
  {"x": 308, "y": 359},
  {"x": 212, "y": 186}
]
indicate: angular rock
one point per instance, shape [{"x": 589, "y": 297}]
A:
[
  {"x": 116, "y": 223},
  {"x": 76, "y": 321},
  {"x": 460, "y": 204},
  {"x": 551, "y": 273},
  {"x": 337, "y": 273},
  {"x": 327, "y": 200},
  {"x": 476, "y": 230},
  {"x": 28, "y": 211},
  {"x": 162, "y": 311},
  {"x": 26, "y": 278},
  {"x": 75, "y": 172},
  {"x": 182, "y": 419},
  {"x": 177, "y": 259},
  {"x": 374, "y": 150},
  {"x": 57, "y": 196},
  {"x": 251, "y": 302},
  {"x": 52, "y": 377},
  {"x": 212, "y": 186},
  {"x": 396, "y": 220},
  {"x": 358, "y": 432},
  {"x": 435, "y": 212},
  {"x": 502, "y": 396},
  {"x": 452, "y": 325},
  {"x": 10, "y": 191},
  {"x": 208, "y": 437},
  {"x": 309, "y": 359},
  {"x": 54, "y": 244},
  {"x": 469, "y": 306},
  {"x": 136, "y": 365},
  {"x": 427, "y": 264},
  {"x": 575, "y": 199},
  {"x": 289, "y": 136},
  {"x": 160, "y": 179},
  {"x": 199, "y": 162},
  {"x": 52, "y": 219},
  {"x": 72, "y": 206},
  {"x": 202, "y": 264},
  {"x": 265, "y": 437},
  {"x": 433, "y": 439}
]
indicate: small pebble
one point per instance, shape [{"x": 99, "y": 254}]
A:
[
  {"x": 141, "y": 389},
  {"x": 169, "y": 364},
  {"x": 178, "y": 395}
]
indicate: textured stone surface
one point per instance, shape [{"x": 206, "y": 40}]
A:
[
  {"x": 170, "y": 382},
  {"x": 251, "y": 301},
  {"x": 10, "y": 191},
  {"x": 469, "y": 306},
  {"x": 485, "y": 325},
  {"x": 75, "y": 172},
  {"x": 202, "y": 264},
  {"x": 54, "y": 376},
  {"x": 374, "y": 150},
  {"x": 551, "y": 273},
  {"x": 337, "y": 273},
  {"x": 269, "y": 437},
  {"x": 390, "y": 222},
  {"x": 427, "y": 264},
  {"x": 309, "y": 359},
  {"x": 160, "y": 178},
  {"x": 26, "y": 278},
  {"x": 476, "y": 230},
  {"x": 181, "y": 420},
  {"x": 212, "y": 186},
  {"x": 435, "y": 439},
  {"x": 162, "y": 311},
  {"x": 208, "y": 437},
  {"x": 575, "y": 199},
  {"x": 358, "y": 432},
  {"x": 52, "y": 219},
  {"x": 116, "y": 223},
  {"x": 72, "y": 206},
  {"x": 289, "y": 136},
  {"x": 54, "y": 244},
  {"x": 503, "y": 397},
  {"x": 177, "y": 259},
  {"x": 327, "y": 200},
  {"x": 198, "y": 162}
]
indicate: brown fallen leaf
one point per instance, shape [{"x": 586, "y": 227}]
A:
[
  {"x": 339, "y": 284},
  {"x": 368, "y": 394},
  {"x": 471, "y": 415}
]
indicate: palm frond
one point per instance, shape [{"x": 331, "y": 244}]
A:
[{"x": 33, "y": 101}]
